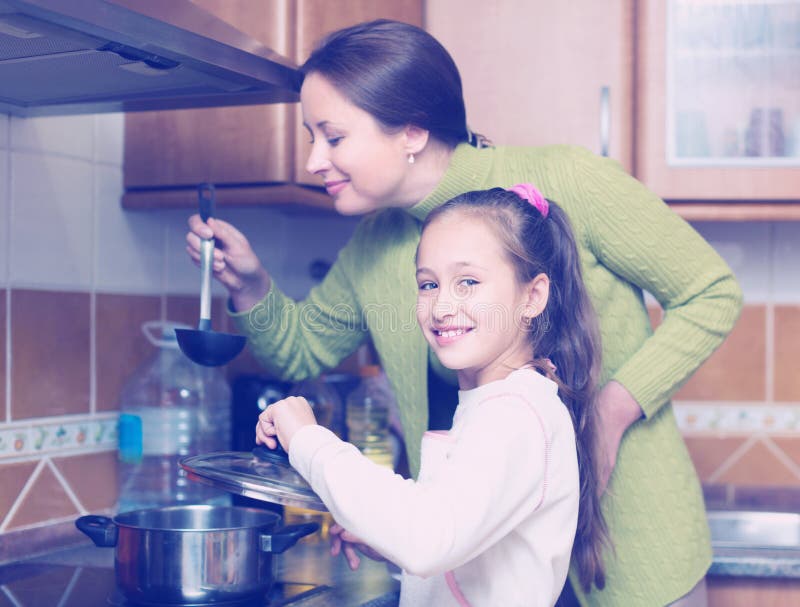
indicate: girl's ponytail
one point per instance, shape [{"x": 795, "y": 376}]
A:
[{"x": 567, "y": 333}]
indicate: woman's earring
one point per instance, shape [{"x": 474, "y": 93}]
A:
[{"x": 411, "y": 159}]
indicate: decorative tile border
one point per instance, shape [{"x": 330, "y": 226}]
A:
[
  {"x": 743, "y": 418},
  {"x": 52, "y": 436}
]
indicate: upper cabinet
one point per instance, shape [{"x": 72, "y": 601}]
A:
[
  {"x": 718, "y": 86},
  {"x": 699, "y": 99},
  {"x": 253, "y": 154},
  {"x": 544, "y": 72}
]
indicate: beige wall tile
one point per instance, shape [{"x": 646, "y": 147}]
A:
[
  {"x": 709, "y": 453},
  {"x": 790, "y": 446},
  {"x": 121, "y": 345},
  {"x": 46, "y": 500},
  {"x": 737, "y": 370},
  {"x": 759, "y": 467},
  {"x": 12, "y": 479},
  {"x": 50, "y": 351},
  {"x": 2, "y": 354},
  {"x": 787, "y": 353},
  {"x": 92, "y": 477}
]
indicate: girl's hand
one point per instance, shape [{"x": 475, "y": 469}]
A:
[
  {"x": 617, "y": 410},
  {"x": 235, "y": 264},
  {"x": 342, "y": 541},
  {"x": 279, "y": 422}
]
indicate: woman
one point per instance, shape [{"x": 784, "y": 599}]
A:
[{"x": 383, "y": 104}]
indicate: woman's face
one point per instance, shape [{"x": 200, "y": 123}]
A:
[{"x": 361, "y": 165}]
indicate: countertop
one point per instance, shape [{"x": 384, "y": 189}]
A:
[{"x": 756, "y": 562}]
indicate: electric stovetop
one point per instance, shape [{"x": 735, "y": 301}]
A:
[{"x": 56, "y": 585}]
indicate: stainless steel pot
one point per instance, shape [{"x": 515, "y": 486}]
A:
[{"x": 193, "y": 554}]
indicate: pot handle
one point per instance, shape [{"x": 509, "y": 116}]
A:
[
  {"x": 281, "y": 539},
  {"x": 101, "y": 529}
]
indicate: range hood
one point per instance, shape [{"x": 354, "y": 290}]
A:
[{"x": 90, "y": 56}]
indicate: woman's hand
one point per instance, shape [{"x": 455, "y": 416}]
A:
[
  {"x": 235, "y": 264},
  {"x": 342, "y": 541},
  {"x": 617, "y": 409},
  {"x": 281, "y": 420}
]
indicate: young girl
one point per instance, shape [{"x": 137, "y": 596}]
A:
[{"x": 492, "y": 516}]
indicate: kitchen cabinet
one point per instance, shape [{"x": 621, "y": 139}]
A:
[
  {"x": 537, "y": 73},
  {"x": 718, "y": 99},
  {"x": 533, "y": 73},
  {"x": 253, "y": 154}
]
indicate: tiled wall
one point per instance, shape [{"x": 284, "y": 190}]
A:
[
  {"x": 78, "y": 277},
  {"x": 740, "y": 413}
]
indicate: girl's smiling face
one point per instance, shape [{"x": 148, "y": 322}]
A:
[
  {"x": 470, "y": 305},
  {"x": 362, "y": 166}
]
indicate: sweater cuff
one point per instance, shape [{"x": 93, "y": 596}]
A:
[
  {"x": 306, "y": 444},
  {"x": 261, "y": 316},
  {"x": 648, "y": 390}
]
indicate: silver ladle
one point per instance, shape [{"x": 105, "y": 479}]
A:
[{"x": 202, "y": 345}]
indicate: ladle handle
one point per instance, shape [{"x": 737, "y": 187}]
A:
[
  {"x": 206, "y": 201},
  {"x": 206, "y": 261}
]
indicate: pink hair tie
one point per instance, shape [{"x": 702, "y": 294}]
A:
[{"x": 528, "y": 192}]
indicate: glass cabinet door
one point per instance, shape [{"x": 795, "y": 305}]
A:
[
  {"x": 718, "y": 100},
  {"x": 733, "y": 83}
]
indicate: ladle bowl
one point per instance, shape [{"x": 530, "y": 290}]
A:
[
  {"x": 202, "y": 345},
  {"x": 209, "y": 348}
]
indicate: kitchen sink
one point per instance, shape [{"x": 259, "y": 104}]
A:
[{"x": 754, "y": 529}]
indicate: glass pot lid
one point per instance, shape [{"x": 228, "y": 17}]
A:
[{"x": 264, "y": 475}]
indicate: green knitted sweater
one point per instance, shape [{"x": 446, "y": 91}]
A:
[{"x": 629, "y": 241}]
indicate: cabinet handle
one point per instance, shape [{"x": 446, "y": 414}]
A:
[{"x": 605, "y": 119}]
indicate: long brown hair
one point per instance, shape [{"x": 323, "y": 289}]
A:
[
  {"x": 566, "y": 333},
  {"x": 399, "y": 74}
]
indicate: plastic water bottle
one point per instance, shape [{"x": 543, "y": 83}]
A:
[
  {"x": 369, "y": 407},
  {"x": 169, "y": 408}
]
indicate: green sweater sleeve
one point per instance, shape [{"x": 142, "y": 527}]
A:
[
  {"x": 296, "y": 340},
  {"x": 637, "y": 236}
]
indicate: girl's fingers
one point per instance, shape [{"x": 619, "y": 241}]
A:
[
  {"x": 336, "y": 545},
  {"x": 351, "y": 555}
]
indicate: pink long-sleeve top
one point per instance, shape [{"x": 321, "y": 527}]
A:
[{"x": 492, "y": 516}]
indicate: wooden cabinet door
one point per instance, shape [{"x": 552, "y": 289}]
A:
[
  {"x": 533, "y": 72},
  {"x": 718, "y": 100},
  {"x": 315, "y": 19},
  {"x": 244, "y": 145}
]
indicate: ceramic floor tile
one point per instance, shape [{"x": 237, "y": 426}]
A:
[
  {"x": 50, "y": 352},
  {"x": 121, "y": 345},
  {"x": 51, "y": 222}
]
